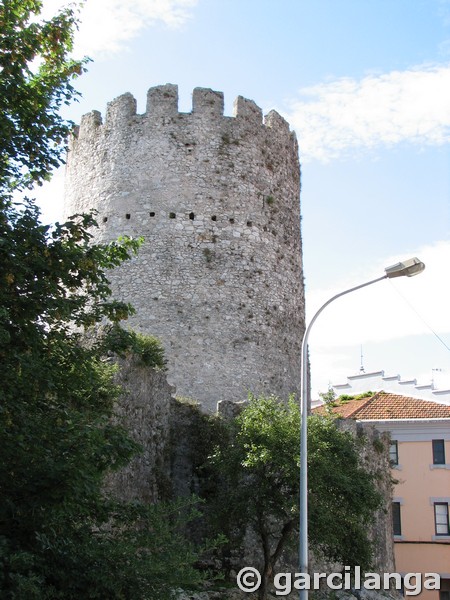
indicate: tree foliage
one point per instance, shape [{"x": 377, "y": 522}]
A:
[
  {"x": 329, "y": 399},
  {"x": 259, "y": 462},
  {"x": 60, "y": 537},
  {"x": 36, "y": 74}
]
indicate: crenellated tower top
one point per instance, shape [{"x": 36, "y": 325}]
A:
[
  {"x": 162, "y": 103},
  {"x": 219, "y": 277}
]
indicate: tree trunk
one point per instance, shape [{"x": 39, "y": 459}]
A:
[
  {"x": 267, "y": 569},
  {"x": 271, "y": 560},
  {"x": 266, "y": 576}
]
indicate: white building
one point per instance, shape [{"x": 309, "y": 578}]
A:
[{"x": 377, "y": 381}]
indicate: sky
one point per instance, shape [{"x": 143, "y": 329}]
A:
[{"x": 365, "y": 84}]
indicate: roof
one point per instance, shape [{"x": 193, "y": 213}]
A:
[{"x": 384, "y": 406}]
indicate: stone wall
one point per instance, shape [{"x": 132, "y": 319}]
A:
[
  {"x": 375, "y": 456},
  {"x": 219, "y": 276},
  {"x": 145, "y": 410},
  {"x": 173, "y": 435}
]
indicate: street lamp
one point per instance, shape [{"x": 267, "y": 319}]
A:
[{"x": 408, "y": 268}]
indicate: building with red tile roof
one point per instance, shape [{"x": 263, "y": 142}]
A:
[
  {"x": 420, "y": 458},
  {"x": 382, "y": 406}
]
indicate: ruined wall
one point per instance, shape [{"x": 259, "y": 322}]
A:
[
  {"x": 145, "y": 410},
  {"x": 219, "y": 277},
  {"x": 375, "y": 456},
  {"x": 174, "y": 437}
]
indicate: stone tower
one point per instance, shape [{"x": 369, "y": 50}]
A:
[{"x": 219, "y": 276}]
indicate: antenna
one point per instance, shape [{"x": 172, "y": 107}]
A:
[
  {"x": 361, "y": 368},
  {"x": 433, "y": 371}
]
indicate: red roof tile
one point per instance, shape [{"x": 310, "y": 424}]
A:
[
  {"x": 383, "y": 406},
  {"x": 344, "y": 409}
]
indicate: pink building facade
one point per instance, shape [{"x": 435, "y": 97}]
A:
[{"x": 420, "y": 459}]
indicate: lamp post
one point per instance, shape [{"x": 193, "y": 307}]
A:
[{"x": 408, "y": 268}]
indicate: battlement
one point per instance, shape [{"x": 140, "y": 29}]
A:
[
  {"x": 162, "y": 103},
  {"x": 247, "y": 109},
  {"x": 121, "y": 108},
  {"x": 206, "y": 102},
  {"x": 218, "y": 277}
]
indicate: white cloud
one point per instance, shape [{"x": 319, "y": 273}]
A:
[
  {"x": 402, "y": 106},
  {"x": 107, "y": 25},
  {"x": 379, "y": 315},
  {"x": 388, "y": 309}
]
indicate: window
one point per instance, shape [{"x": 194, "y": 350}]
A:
[
  {"x": 438, "y": 452},
  {"x": 393, "y": 453},
  {"x": 444, "y": 593},
  {"x": 441, "y": 518},
  {"x": 396, "y": 519}
]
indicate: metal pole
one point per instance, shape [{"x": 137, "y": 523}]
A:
[{"x": 303, "y": 505}]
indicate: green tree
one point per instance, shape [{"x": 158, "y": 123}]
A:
[
  {"x": 60, "y": 537},
  {"x": 36, "y": 74},
  {"x": 329, "y": 399},
  {"x": 259, "y": 464}
]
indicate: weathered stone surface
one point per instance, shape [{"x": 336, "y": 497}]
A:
[
  {"x": 375, "y": 455},
  {"x": 170, "y": 432},
  {"x": 144, "y": 409},
  {"x": 184, "y": 430},
  {"x": 219, "y": 276},
  {"x": 229, "y": 410}
]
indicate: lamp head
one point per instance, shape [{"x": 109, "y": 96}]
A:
[{"x": 408, "y": 268}]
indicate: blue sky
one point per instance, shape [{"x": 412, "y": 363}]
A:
[{"x": 366, "y": 86}]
